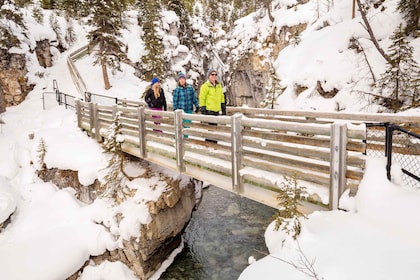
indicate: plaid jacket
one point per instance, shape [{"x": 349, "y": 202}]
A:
[{"x": 184, "y": 98}]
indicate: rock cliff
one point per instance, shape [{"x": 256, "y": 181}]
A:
[{"x": 158, "y": 239}]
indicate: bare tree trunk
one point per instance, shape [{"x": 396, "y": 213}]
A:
[
  {"x": 105, "y": 75},
  {"x": 366, "y": 59},
  {"x": 267, "y": 5},
  {"x": 370, "y": 31},
  {"x": 103, "y": 66},
  {"x": 397, "y": 85},
  {"x": 353, "y": 10}
]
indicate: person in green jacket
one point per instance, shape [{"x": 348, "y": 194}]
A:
[{"x": 212, "y": 98}]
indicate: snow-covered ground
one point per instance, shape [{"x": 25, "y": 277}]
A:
[{"x": 51, "y": 234}]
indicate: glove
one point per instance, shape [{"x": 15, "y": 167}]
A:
[
  {"x": 224, "y": 109},
  {"x": 203, "y": 109},
  {"x": 197, "y": 109}
]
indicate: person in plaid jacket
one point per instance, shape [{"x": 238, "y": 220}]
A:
[{"x": 184, "y": 96}]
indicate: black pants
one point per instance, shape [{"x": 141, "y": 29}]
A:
[{"x": 212, "y": 113}]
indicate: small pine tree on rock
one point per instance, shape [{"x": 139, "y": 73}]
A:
[
  {"x": 295, "y": 38},
  {"x": 112, "y": 144},
  {"x": 287, "y": 219},
  {"x": 42, "y": 152}
]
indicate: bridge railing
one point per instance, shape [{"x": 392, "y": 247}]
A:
[
  {"x": 400, "y": 146},
  {"x": 75, "y": 75},
  {"x": 249, "y": 156}
]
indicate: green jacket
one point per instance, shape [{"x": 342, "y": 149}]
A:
[{"x": 211, "y": 96}]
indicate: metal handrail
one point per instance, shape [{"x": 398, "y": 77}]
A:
[{"x": 390, "y": 128}]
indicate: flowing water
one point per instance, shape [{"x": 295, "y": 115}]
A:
[{"x": 223, "y": 233}]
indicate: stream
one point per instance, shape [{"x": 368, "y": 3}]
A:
[{"x": 223, "y": 233}]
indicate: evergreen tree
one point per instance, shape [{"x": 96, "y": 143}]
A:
[
  {"x": 411, "y": 14},
  {"x": 70, "y": 35},
  {"x": 212, "y": 9},
  {"x": 72, "y": 8},
  {"x": 149, "y": 20},
  {"x": 185, "y": 32},
  {"x": 287, "y": 219},
  {"x": 401, "y": 72},
  {"x": 55, "y": 26},
  {"x": 37, "y": 13},
  {"x": 10, "y": 18},
  {"x": 20, "y": 3},
  {"x": 112, "y": 144},
  {"x": 48, "y": 4},
  {"x": 107, "y": 21},
  {"x": 42, "y": 152}
]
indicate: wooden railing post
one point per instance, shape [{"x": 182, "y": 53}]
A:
[
  {"x": 236, "y": 134},
  {"x": 91, "y": 118},
  {"x": 77, "y": 105},
  {"x": 337, "y": 163},
  {"x": 97, "y": 123},
  {"x": 142, "y": 132},
  {"x": 114, "y": 111},
  {"x": 179, "y": 137}
]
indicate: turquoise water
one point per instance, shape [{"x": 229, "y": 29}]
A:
[{"x": 223, "y": 233}]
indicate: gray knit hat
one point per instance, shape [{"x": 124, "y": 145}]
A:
[{"x": 210, "y": 71}]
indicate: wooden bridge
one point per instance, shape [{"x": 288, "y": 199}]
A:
[{"x": 250, "y": 151}]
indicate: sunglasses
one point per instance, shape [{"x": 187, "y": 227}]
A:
[{"x": 213, "y": 74}]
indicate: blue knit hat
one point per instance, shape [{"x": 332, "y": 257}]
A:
[
  {"x": 181, "y": 75},
  {"x": 155, "y": 80}
]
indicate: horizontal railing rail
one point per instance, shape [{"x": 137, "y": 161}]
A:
[
  {"x": 75, "y": 75},
  {"x": 100, "y": 98},
  {"x": 326, "y": 117}
]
